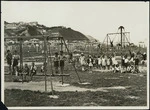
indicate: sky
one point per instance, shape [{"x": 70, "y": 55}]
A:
[{"x": 90, "y": 18}]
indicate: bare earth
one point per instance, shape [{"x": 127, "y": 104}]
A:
[{"x": 39, "y": 86}]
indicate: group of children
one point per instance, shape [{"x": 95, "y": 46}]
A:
[
  {"x": 128, "y": 63},
  {"x": 14, "y": 69},
  {"x": 101, "y": 62}
]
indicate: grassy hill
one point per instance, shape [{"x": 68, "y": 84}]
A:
[{"x": 16, "y": 29}]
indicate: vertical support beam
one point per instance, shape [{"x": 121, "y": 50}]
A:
[
  {"x": 121, "y": 28},
  {"x": 61, "y": 45},
  {"x": 21, "y": 58},
  {"x": 72, "y": 64},
  {"x": 61, "y": 50},
  {"x": 45, "y": 58},
  {"x": 107, "y": 44},
  {"x": 50, "y": 63},
  {"x": 21, "y": 55}
]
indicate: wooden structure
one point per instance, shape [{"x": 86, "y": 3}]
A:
[{"x": 45, "y": 38}]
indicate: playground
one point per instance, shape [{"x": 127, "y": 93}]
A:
[{"x": 73, "y": 87}]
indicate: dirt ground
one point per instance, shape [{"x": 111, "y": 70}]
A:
[{"x": 97, "y": 89}]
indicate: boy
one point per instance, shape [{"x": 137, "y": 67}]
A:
[
  {"x": 15, "y": 63},
  {"x": 26, "y": 71},
  {"x": 61, "y": 62},
  {"x": 33, "y": 70},
  {"x": 56, "y": 62}
]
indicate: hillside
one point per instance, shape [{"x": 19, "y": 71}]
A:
[{"x": 33, "y": 29}]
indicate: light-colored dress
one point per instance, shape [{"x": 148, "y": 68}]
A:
[
  {"x": 90, "y": 62},
  {"x": 114, "y": 62},
  {"x": 99, "y": 61},
  {"x": 108, "y": 61},
  {"x": 103, "y": 62},
  {"x": 82, "y": 60}
]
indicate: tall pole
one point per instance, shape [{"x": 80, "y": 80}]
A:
[
  {"x": 107, "y": 44},
  {"x": 121, "y": 28},
  {"x": 45, "y": 57},
  {"x": 50, "y": 63},
  {"x": 72, "y": 64},
  {"x": 61, "y": 50},
  {"x": 21, "y": 55}
]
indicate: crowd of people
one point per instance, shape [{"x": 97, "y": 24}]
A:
[{"x": 129, "y": 63}]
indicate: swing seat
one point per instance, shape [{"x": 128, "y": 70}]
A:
[{"x": 60, "y": 75}]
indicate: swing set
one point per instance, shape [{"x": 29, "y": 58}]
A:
[
  {"x": 45, "y": 38},
  {"x": 109, "y": 41}
]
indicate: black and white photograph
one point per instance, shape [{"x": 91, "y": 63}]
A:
[{"x": 75, "y": 55}]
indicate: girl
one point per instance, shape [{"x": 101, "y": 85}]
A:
[
  {"x": 99, "y": 61},
  {"x": 103, "y": 62},
  {"x": 90, "y": 63},
  {"x": 108, "y": 62},
  {"x": 82, "y": 61}
]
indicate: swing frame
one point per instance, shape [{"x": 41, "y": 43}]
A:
[{"x": 45, "y": 38}]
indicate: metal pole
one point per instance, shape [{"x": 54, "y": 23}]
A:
[{"x": 45, "y": 57}]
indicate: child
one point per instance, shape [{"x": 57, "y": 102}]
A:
[
  {"x": 33, "y": 70},
  {"x": 126, "y": 61},
  {"x": 108, "y": 62},
  {"x": 15, "y": 63},
  {"x": 9, "y": 60},
  {"x": 26, "y": 71},
  {"x": 136, "y": 64},
  {"x": 99, "y": 62},
  {"x": 43, "y": 68},
  {"x": 103, "y": 62},
  {"x": 56, "y": 62},
  {"x": 61, "y": 62},
  {"x": 82, "y": 61},
  {"x": 90, "y": 63},
  {"x": 117, "y": 68}
]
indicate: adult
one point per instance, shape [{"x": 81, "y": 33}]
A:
[{"x": 9, "y": 60}]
